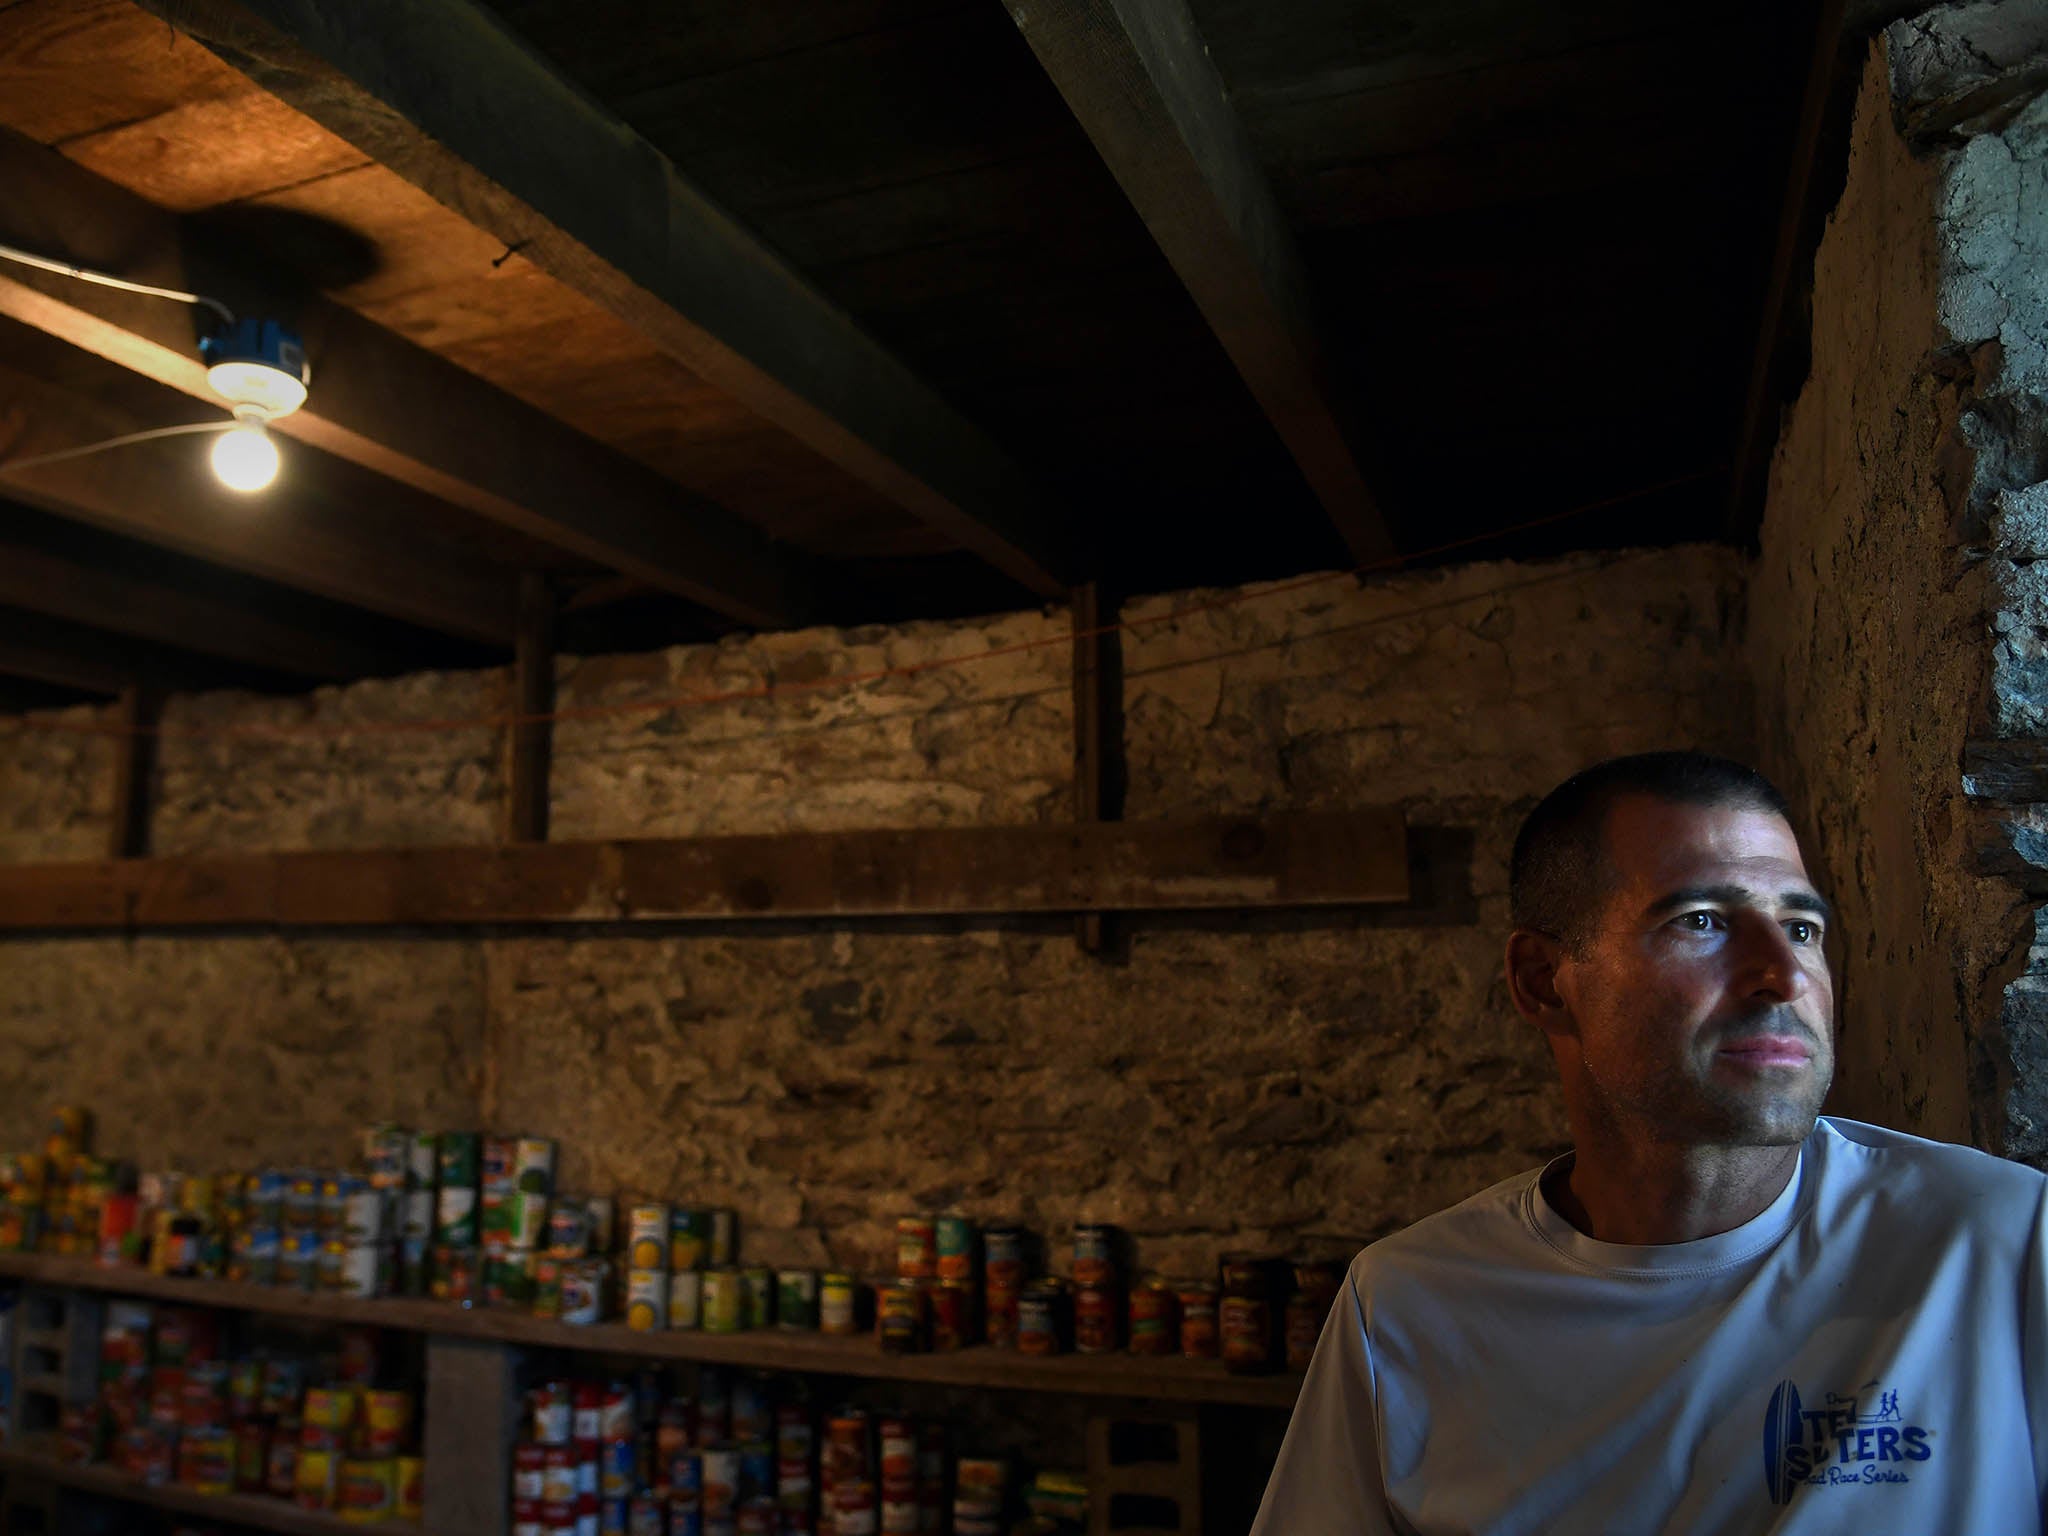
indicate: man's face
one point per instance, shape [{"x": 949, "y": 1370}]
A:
[{"x": 1703, "y": 1006}]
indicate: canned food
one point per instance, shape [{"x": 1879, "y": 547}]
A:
[
  {"x": 952, "y": 1304},
  {"x": 368, "y": 1490},
  {"x": 509, "y": 1278},
  {"x": 1095, "y": 1319},
  {"x": 1154, "y": 1326},
  {"x": 757, "y": 1297},
  {"x": 384, "y": 1155},
  {"x": 455, "y": 1222},
  {"x": 583, "y": 1288},
  {"x": 617, "y": 1469},
  {"x": 722, "y": 1308},
  {"x": 647, "y": 1300},
  {"x": 455, "y": 1274},
  {"x": 1041, "y": 1318},
  {"x": 689, "y": 1238},
  {"x": 423, "y": 1159},
  {"x": 387, "y": 1416},
  {"x": 252, "y": 1455},
  {"x": 558, "y": 1475},
  {"x": 724, "y": 1237},
  {"x": 416, "y": 1213},
  {"x": 901, "y": 1317},
  {"x": 720, "y": 1489},
  {"x": 460, "y": 1154},
  {"x": 569, "y": 1228},
  {"x": 1094, "y": 1255},
  {"x": 837, "y": 1298},
  {"x": 917, "y": 1248},
  {"x": 1198, "y": 1337},
  {"x": 953, "y": 1239},
  {"x": 1302, "y": 1325},
  {"x": 547, "y": 1286},
  {"x": 796, "y": 1299},
  {"x": 1246, "y": 1313},
  {"x": 526, "y": 1219},
  {"x": 328, "y": 1408},
  {"x": 361, "y": 1271},
  {"x": 206, "y": 1461},
  {"x": 319, "y": 1472},
  {"x": 685, "y": 1298},
  {"x": 1003, "y": 1274},
  {"x": 528, "y": 1461},
  {"x": 533, "y": 1164},
  {"x": 647, "y": 1236},
  {"x": 412, "y": 1488}
]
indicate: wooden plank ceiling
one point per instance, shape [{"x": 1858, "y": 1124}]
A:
[{"x": 765, "y": 312}]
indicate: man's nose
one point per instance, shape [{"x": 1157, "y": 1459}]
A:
[{"x": 1772, "y": 965}]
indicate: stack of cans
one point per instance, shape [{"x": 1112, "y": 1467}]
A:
[{"x": 980, "y": 1486}]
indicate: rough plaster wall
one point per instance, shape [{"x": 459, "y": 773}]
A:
[
  {"x": 1235, "y": 1081},
  {"x": 228, "y": 782},
  {"x": 56, "y": 783},
  {"x": 900, "y": 751},
  {"x": 1875, "y": 602},
  {"x": 1268, "y": 1078}
]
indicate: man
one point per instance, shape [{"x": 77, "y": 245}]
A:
[{"x": 1719, "y": 1313}]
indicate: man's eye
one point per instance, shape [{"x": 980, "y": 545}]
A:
[
  {"x": 1700, "y": 922},
  {"x": 1802, "y": 932}
]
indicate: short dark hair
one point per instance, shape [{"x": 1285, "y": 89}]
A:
[{"x": 1558, "y": 874}]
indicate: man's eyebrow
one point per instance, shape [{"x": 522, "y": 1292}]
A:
[{"x": 1796, "y": 900}]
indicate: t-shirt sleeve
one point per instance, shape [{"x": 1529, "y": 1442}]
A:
[
  {"x": 1327, "y": 1481},
  {"x": 2034, "y": 1344}
]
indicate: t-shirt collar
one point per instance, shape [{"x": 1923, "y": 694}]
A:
[{"x": 1722, "y": 1250}]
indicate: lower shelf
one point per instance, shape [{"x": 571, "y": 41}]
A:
[{"x": 248, "y": 1509}]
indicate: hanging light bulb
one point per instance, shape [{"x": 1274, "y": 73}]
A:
[{"x": 244, "y": 457}]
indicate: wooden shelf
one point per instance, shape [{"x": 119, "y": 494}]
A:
[
  {"x": 264, "y": 1513},
  {"x": 1198, "y": 1381}
]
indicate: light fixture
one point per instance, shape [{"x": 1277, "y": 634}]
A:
[
  {"x": 244, "y": 457},
  {"x": 259, "y": 368}
]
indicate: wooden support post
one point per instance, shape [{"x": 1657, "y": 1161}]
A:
[
  {"x": 134, "y": 768},
  {"x": 472, "y": 1418},
  {"x": 1098, "y": 728},
  {"x": 530, "y": 738}
]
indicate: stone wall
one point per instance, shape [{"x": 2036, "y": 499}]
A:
[
  {"x": 1894, "y": 609},
  {"x": 56, "y": 787},
  {"x": 1279, "y": 1078}
]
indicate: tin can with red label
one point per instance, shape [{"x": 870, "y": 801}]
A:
[
  {"x": 1154, "y": 1329},
  {"x": 952, "y": 1304},
  {"x": 1096, "y": 1317},
  {"x": 1198, "y": 1337},
  {"x": 917, "y": 1248}
]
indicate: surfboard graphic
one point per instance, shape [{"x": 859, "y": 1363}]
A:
[{"x": 1781, "y": 1431}]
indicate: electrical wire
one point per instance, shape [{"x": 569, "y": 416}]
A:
[
  {"x": 108, "y": 280},
  {"x": 35, "y": 459}
]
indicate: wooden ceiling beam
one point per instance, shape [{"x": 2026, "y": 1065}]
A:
[
  {"x": 1138, "y": 79},
  {"x": 67, "y": 655},
  {"x": 59, "y": 587},
  {"x": 35, "y": 658},
  {"x": 160, "y": 493},
  {"x": 448, "y": 98},
  {"x": 381, "y": 401}
]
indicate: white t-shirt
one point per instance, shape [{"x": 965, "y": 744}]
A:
[{"x": 1868, "y": 1355}]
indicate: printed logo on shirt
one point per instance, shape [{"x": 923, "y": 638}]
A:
[{"x": 1859, "y": 1438}]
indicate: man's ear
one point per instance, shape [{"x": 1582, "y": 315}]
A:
[{"x": 1532, "y": 962}]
